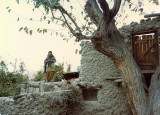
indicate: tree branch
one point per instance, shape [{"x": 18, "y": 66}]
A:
[
  {"x": 105, "y": 8},
  {"x": 78, "y": 35},
  {"x": 115, "y": 9},
  {"x": 96, "y": 35},
  {"x": 66, "y": 22},
  {"x": 93, "y": 11},
  {"x": 55, "y": 17},
  {"x": 65, "y": 12}
]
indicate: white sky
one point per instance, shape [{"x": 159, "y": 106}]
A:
[{"x": 33, "y": 49}]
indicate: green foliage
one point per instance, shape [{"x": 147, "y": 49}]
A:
[
  {"x": 87, "y": 27},
  {"x": 9, "y": 10},
  {"x": 58, "y": 74},
  {"x": 9, "y": 80},
  {"x": 41, "y": 30},
  {"x": 78, "y": 51},
  {"x": 17, "y": 1},
  {"x": 62, "y": 13},
  {"x": 47, "y": 4},
  {"x": 40, "y": 76},
  {"x": 53, "y": 7}
]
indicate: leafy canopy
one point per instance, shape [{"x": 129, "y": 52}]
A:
[{"x": 64, "y": 13}]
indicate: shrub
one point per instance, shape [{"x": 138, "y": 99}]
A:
[
  {"x": 9, "y": 80},
  {"x": 58, "y": 74},
  {"x": 40, "y": 76}
]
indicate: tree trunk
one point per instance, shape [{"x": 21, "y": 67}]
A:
[
  {"x": 112, "y": 45},
  {"x": 109, "y": 41},
  {"x": 154, "y": 94}
]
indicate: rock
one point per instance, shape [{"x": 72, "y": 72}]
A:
[
  {"x": 142, "y": 21},
  {"x": 148, "y": 19}
]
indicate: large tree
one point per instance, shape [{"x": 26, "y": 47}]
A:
[{"x": 108, "y": 40}]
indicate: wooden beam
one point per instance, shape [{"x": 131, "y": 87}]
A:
[
  {"x": 145, "y": 87},
  {"x": 144, "y": 32},
  {"x": 148, "y": 71},
  {"x": 146, "y": 64},
  {"x": 113, "y": 78},
  {"x": 152, "y": 15},
  {"x": 118, "y": 81},
  {"x": 146, "y": 52}
]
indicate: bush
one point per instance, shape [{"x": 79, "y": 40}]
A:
[
  {"x": 9, "y": 80},
  {"x": 40, "y": 76},
  {"x": 58, "y": 72}
]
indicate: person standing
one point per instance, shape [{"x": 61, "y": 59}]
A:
[{"x": 49, "y": 61}]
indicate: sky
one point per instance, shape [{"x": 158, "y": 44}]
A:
[{"x": 33, "y": 49}]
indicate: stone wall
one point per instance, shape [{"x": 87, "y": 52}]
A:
[
  {"x": 90, "y": 94},
  {"x": 52, "y": 103},
  {"x": 95, "y": 69},
  {"x": 145, "y": 25},
  {"x": 61, "y": 101}
]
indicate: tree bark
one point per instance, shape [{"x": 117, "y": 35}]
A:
[
  {"x": 109, "y": 41},
  {"x": 154, "y": 94},
  {"x": 113, "y": 46}
]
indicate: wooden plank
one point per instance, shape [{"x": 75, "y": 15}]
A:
[
  {"x": 143, "y": 44},
  {"x": 142, "y": 41},
  {"x": 145, "y": 64},
  {"x": 118, "y": 81},
  {"x": 134, "y": 48},
  {"x": 156, "y": 50},
  {"x": 148, "y": 55},
  {"x": 152, "y": 15},
  {"x": 144, "y": 32},
  {"x": 148, "y": 71},
  {"x": 145, "y": 52},
  {"x": 145, "y": 87}
]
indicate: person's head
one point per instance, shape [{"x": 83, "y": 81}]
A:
[{"x": 50, "y": 53}]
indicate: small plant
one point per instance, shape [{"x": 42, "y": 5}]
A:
[
  {"x": 58, "y": 72},
  {"x": 40, "y": 76},
  {"x": 58, "y": 75},
  {"x": 9, "y": 80}
]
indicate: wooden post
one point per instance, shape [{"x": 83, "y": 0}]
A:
[{"x": 152, "y": 15}]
